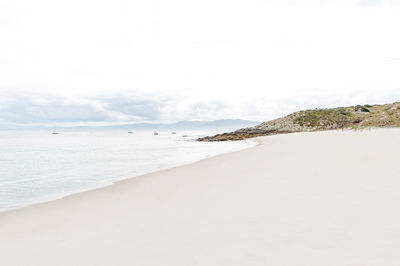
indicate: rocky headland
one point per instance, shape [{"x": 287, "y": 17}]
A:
[{"x": 353, "y": 117}]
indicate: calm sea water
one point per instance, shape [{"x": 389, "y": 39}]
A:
[{"x": 38, "y": 166}]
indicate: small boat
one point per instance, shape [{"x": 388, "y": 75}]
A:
[
  {"x": 173, "y": 133},
  {"x": 155, "y": 133},
  {"x": 54, "y": 132},
  {"x": 130, "y": 132}
]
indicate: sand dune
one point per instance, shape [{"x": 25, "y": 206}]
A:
[{"x": 326, "y": 198}]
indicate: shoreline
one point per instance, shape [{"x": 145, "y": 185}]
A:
[
  {"x": 307, "y": 199},
  {"x": 114, "y": 181}
]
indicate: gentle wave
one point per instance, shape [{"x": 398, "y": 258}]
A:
[{"x": 37, "y": 166}]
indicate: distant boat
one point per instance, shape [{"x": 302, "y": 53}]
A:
[
  {"x": 155, "y": 133},
  {"x": 54, "y": 132},
  {"x": 130, "y": 132},
  {"x": 173, "y": 133}
]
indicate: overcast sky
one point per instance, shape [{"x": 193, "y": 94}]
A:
[{"x": 93, "y": 61}]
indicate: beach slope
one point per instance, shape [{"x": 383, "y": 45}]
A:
[{"x": 305, "y": 199}]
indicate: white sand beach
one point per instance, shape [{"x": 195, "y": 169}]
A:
[{"x": 306, "y": 199}]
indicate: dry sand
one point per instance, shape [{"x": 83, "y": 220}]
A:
[{"x": 328, "y": 198}]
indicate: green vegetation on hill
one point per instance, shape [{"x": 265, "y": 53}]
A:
[
  {"x": 360, "y": 116},
  {"x": 387, "y": 115}
]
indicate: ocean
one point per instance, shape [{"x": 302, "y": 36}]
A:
[{"x": 38, "y": 166}]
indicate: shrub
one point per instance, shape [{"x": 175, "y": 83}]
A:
[{"x": 360, "y": 108}]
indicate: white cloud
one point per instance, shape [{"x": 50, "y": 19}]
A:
[
  {"x": 377, "y": 3},
  {"x": 368, "y": 3},
  {"x": 32, "y": 109},
  {"x": 220, "y": 58}
]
